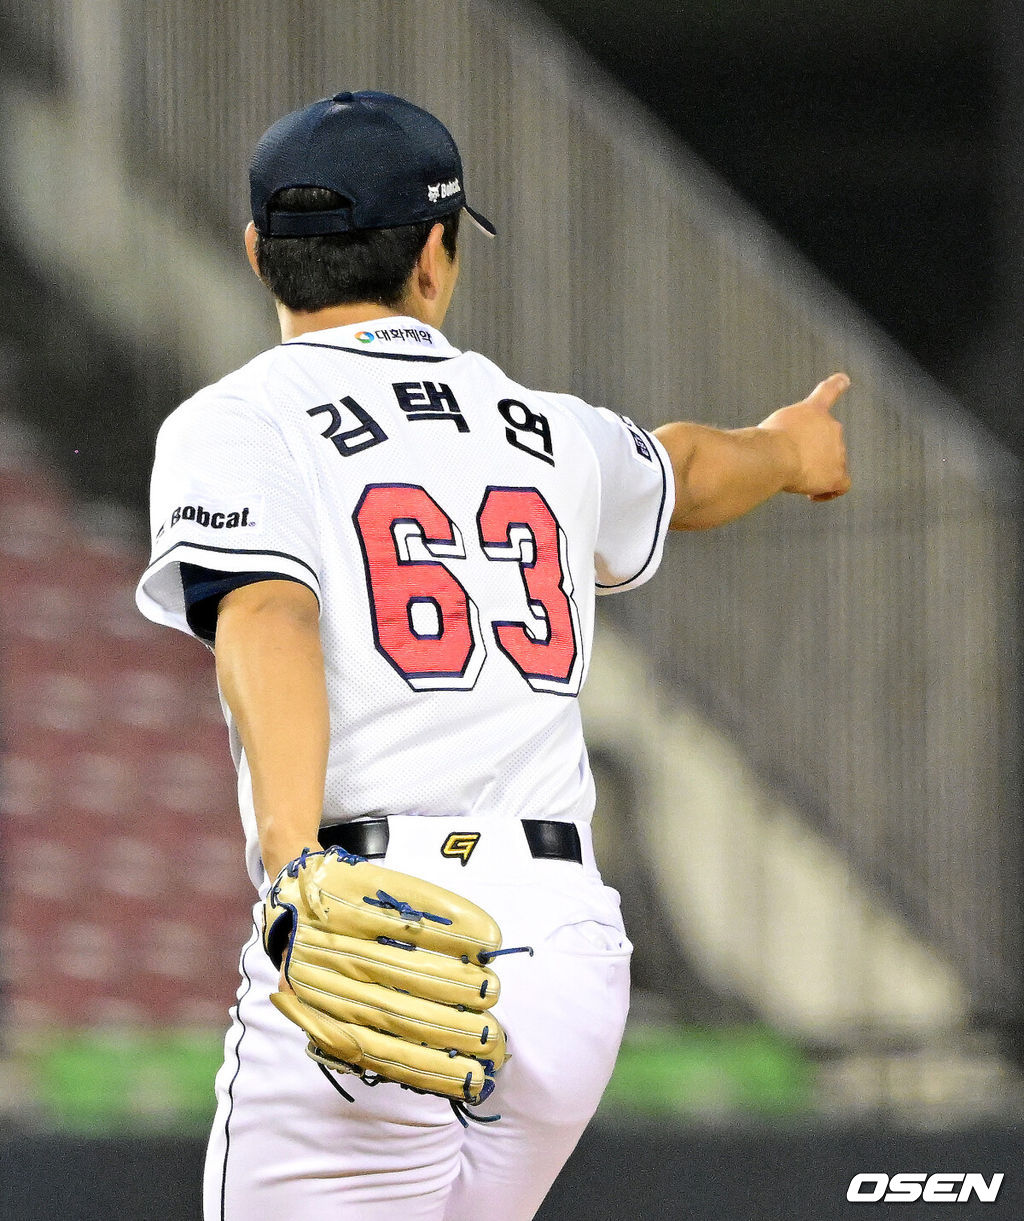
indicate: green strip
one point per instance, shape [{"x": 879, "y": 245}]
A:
[
  {"x": 712, "y": 1071},
  {"x": 111, "y": 1082}
]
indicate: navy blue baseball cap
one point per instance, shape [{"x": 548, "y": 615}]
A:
[{"x": 394, "y": 164}]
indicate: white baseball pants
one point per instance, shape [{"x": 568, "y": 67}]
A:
[{"x": 287, "y": 1146}]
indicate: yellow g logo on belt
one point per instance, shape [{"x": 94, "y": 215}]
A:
[{"x": 461, "y": 844}]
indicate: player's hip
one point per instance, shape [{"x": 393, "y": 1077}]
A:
[
  {"x": 460, "y": 850},
  {"x": 538, "y": 878}
]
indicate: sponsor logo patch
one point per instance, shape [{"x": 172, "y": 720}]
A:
[
  {"x": 443, "y": 190},
  {"x": 209, "y": 519},
  {"x": 401, "y": 334},
  {"x": 460, "y": 844},
  {"x": 640, "y": 443}
]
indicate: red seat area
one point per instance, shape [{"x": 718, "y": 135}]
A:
[{"x": 125, "y": 895}]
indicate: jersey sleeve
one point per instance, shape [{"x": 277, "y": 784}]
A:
[
  {"x": 637, "y": 497},
  {"x": 203, "y": 589},
  {"x": 228, "y": 495}
]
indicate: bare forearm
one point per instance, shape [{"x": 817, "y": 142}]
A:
[
  {"x": 271, "y": 672},
  {"x": 720, "y": 474}
]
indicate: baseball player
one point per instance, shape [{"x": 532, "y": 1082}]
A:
[{"x": 393, "y": 550}]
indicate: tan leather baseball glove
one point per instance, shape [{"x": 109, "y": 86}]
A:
[{"x": 389, "y": 975}]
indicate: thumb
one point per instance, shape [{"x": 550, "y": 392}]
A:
[{"x": 825, "y": 394}]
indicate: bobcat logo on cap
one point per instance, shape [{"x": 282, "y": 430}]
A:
[
  {"x": 460, "y": 844},
  {"x": 443, "y": 190}
]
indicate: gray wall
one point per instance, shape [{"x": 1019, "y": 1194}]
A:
[{"x": 864, "y": 654}]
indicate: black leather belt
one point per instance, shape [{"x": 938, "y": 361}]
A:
[{"x": 547, "y": 840}]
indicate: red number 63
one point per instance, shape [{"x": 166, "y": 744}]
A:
[{"x": 425, "y": 622}]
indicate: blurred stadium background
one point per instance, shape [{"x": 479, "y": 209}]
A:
[{"x": 806, "y": 730}]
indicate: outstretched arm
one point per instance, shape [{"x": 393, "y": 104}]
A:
[
  {"x": 270, "y": 669},
  {"x": 722, "y": 474}
]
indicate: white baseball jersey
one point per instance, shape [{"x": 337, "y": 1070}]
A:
[{"x": 453, "y": 526}]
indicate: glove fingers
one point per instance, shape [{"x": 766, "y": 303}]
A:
[
  {"x": 415, "y": 1018},
  {"x": 320, "y": 1029},
  {"x": 423, "y": 1068},
  {"x": 359, "y": 1047},
  {"x": 422, "y": 972}
]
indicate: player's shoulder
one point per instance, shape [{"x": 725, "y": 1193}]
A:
[
  {"x": 608, "y": 434},
  {"x": 569, "y": 405},
  {"x": 233, "y": 399},
  {"x": 600, "y": 424},
  {"x": 596, "y": 428}
]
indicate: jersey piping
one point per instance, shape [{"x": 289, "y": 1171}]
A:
[
  {"x": 281, "y": 555},
  {"x": 253, "y": 940},
  {"x": 657, "y": 532},
  {"x": 334, "y": 347}
]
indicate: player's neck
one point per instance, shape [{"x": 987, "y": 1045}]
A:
[{"x": 295, "y": 323}]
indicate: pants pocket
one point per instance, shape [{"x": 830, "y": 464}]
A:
[{"x": 590, "y": 936}]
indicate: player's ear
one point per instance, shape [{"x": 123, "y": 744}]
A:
[
  {"x": 430, "y": 265},
  {"x": 251, "y": 238}
]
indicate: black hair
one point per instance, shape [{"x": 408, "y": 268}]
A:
[{"x": 313, "y": 273}]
